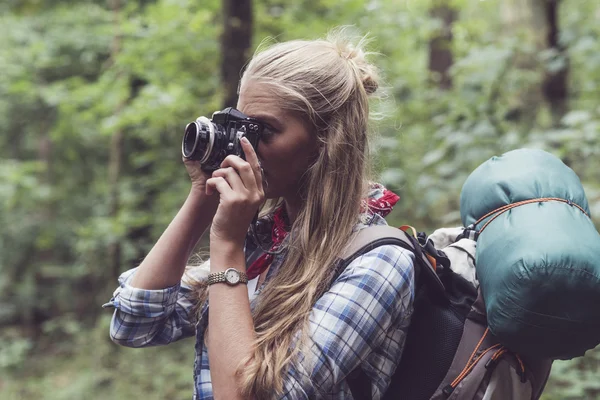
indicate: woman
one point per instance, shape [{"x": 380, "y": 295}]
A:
[{"x": 290, "y": 333}]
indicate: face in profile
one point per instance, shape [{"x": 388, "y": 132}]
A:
[{"x": 287, "y": 147}]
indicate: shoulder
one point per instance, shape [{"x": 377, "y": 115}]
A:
[
  {"x": 386, "y": 270},
  {"x": 373, "y": 294},
  {"x": 383, "y": 257},
  {"x": 391, "y": 264}
]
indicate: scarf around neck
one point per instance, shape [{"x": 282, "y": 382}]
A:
[{"x": 380, "y": 201}]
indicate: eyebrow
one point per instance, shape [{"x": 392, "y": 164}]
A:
[{"x": 267, "y": 119}]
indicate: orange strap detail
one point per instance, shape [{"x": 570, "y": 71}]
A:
[
  {"x": 520, "y": 362},
  {"x": 432, "y": 261},
  {"x": 499, "y": 353},
  {"x": 470, "y": 366},
  {"x": 410, "y": 229},
  {"x": 487, "y": 330},
  {"x": 407, "y": 228},
  {"x": 501, "y": 210},
  {"x": 470, "y": 358}
]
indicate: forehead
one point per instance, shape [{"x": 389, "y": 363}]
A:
[{"x": 256, "y": 98}]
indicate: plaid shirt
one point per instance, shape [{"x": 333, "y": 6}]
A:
[{"x": 361, "y": 322}]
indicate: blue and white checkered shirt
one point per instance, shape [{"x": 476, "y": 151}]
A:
[{"x": 360, "y": 322}]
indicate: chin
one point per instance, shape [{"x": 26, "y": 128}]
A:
[
  {"x": 269, "y": 187},
  {"x": 270, "y": 194}
]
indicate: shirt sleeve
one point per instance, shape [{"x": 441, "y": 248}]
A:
[
  {"x": 360, "y": 322},
  {"x": 151, "y": 317}
]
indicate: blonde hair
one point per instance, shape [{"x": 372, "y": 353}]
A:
[{"x": 327, "y": 82}]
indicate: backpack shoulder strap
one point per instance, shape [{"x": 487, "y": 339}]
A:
[
  {"x": 375, "y": 236},
  {"x": 365, "y": 240}
]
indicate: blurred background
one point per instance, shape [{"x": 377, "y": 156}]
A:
[{"x": 94, "y": 96}]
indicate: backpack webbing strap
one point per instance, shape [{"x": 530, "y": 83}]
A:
[
  {"x": 359, "y": 384},
  {"x": 375, "y": 236},
  {"x": 369, "y": 235},
  {"x": 368, "y": 239}
]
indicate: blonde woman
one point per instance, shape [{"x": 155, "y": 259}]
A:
[{"x": 289, "y": 332}]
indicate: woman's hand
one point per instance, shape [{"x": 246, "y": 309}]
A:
[
  {"x": 240, "y": 188},
  {"x": 197, "y": 175}
]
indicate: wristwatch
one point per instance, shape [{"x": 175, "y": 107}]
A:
[{"x": 230, "y": 276}]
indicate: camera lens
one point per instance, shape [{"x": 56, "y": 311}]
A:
[
  {"x": 189, "y": 139},
  {"x": 198, "y": 139}
]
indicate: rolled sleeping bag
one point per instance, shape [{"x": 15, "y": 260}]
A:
[{"x": 538, "y": 263}]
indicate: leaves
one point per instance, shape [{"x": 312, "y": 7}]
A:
[{"x": 75, "y": 74}]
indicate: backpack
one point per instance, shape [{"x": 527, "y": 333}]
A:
[{"x": 449, "y": 351}]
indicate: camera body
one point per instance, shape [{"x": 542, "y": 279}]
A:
[{"x": 210, "y": 141}]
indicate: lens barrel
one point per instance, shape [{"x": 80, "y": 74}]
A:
[{"x": 198, "y": 140}]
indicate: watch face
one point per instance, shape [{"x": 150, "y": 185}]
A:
[{"x": 232, "y": 276}]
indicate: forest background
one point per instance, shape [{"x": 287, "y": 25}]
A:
[{"x": 94, "y": 96}]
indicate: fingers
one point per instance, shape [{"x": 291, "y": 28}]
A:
[
  {"x": 229, "y": 195},
  {"x": 249, "y": 170},
  {"x": 218, "y": 184},
  {"x": 238, "y": 190},
  {"x": 232, "y": 177},
  {"x": 252, "y": 159},
  {"x": 197, "y": 176},
  {"x": 242, "y": 170},
  {"x": 191, "y": 165}
]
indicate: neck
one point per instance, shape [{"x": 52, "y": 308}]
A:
[{"x": 292, "y": 208}]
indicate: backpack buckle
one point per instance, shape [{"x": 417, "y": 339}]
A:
[{"x": 470, "y": 232}]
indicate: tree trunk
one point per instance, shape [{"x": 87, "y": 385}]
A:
[
  {"x": 555, "y": 88},
  {"x": 139, "y": 235},
  {"x": 114, "y": 172},
  {"x": 31, "y": 316},
  {"x": 524, "y": 19},
  {"x": 235, "y": 45},
  {"x": 115, "y": 158},
  {"x": 440, "y": 46},
  {"x": 538, "y": 21}
]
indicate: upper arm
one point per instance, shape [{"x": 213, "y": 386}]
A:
[{"x": 372, "y": 297}]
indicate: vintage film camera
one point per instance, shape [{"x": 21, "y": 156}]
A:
[{"x": 210, "y": 141}]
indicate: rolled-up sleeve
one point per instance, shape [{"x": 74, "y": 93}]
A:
[
  {"x": 361, "y": 322},
  {"x": 150, "y": 317}
]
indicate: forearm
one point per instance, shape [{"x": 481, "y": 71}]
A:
[
  {"x": 230, "y": 326},
  {"x": 164, "y": 265}
]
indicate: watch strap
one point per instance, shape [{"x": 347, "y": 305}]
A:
[{"x": 219, "y": 277}]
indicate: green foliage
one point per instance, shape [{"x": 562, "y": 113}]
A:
[
  {"x": 13, "y": 350},
  {"x": 90, "y": 366},
  {"x": 79, "y": 79},
  {"x": 575, "y": 379}
]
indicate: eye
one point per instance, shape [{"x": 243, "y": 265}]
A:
[{"x": 268, "y": 132}]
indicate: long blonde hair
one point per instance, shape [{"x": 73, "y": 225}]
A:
[{"x": 328, "y": 82}]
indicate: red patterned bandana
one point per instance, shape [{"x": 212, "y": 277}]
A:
[{"x": 380, "y": 201}]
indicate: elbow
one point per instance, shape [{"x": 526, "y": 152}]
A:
[
  {"x": 126, "y": 334},
  {"x": 130, "y": 341},
  {"x": 119, "y": 340},
  {"x": 124, "y": 339}
]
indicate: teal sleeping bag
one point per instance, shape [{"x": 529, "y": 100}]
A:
[{"x": 538, "y": 263}]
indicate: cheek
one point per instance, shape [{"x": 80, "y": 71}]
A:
[
  {"x": 280, "y": 163},
  {"x": 264, "y": 154},
  {"x": 287, "y": 156}
]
